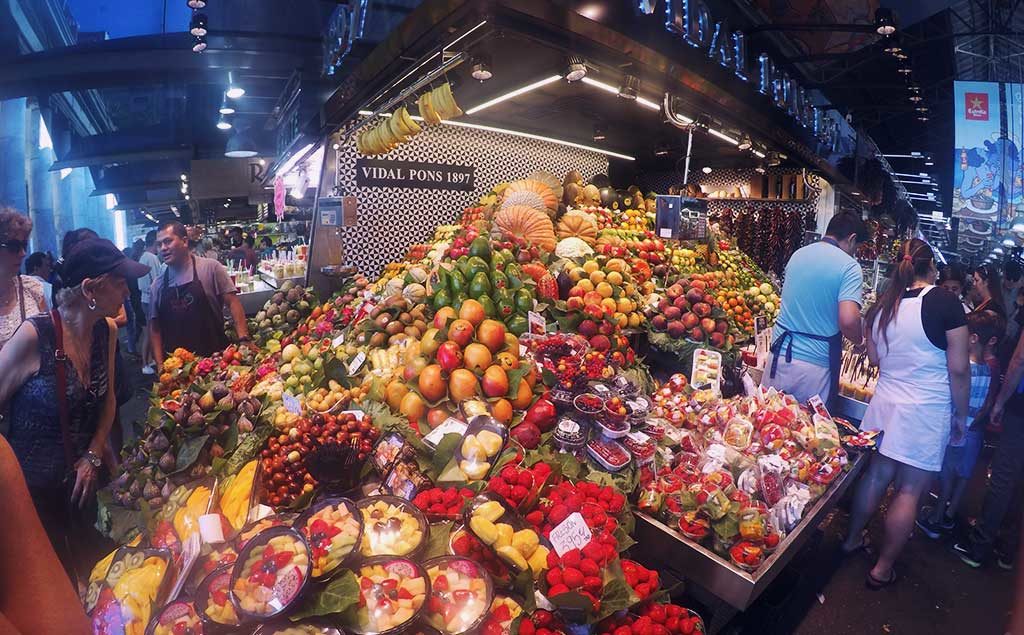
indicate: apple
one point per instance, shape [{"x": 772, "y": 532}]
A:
[{"x": 587, "y": 328}]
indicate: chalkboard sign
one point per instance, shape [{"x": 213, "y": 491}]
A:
[{"x": 414, "y": 175}]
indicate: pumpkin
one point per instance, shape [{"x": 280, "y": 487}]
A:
[
  {"x": 578, "y": 224},
  {"x": 530, "y": 193},
  {"x": 527, "y": 223}
]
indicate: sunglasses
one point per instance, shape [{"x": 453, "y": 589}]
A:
[{"x": 14, "y": 246}]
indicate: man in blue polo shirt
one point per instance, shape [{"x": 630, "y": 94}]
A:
[{"x": 821, "y": 299}]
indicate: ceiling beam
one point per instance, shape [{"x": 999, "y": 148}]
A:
[{"x": 122, "y": 157}]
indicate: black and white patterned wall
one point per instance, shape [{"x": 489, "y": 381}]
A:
[
  {"x": 391, "y": 219},
  {"x": 729, "y": 181}
]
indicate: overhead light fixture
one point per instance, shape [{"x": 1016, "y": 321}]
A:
[
  {"x": 514, "y": 93},
  {"x": 914, "y": 88},
  {"x": 922, "y": 109},
  {"x": 262, "y": 162},
  {"x": 628, "y": 88},
  {"x": 760, "y": 169},
  {"x": 482, "y": 68},
  {"x": 774, "y": 159},
  {"x": 241, "y": 145},
  {"x": 184, "y": 177},
  {"x": 198, "y": 43},
  {"x": 223, "y": 123},
  {"x": 599, "y": 133},
  {"x": 608, "y": 88},
  {"x": 662, "y": 150},
  {"x": 915, "y": 98},
  {"x": 184, "y": 188},
  {"x": 706, "y": 169},
  {"x": 196, "y": 4},
  {"x": 197, "y": 25},
  {"x": 187, "y": 197},
  {"x": 905, "y": 70},
  {"x": 901, "y": 56},
  {"x": 576, "y": 69},
  {"x": 928, "y": 161},
  {"x": 885, "y": 21},
  {"x": 225, "y": 107},
  {"x": 1009, "y": 242},
  {"x": 758, "y": 154},
  {"x": 892, "y": 45},
  {"x": 234, "y": 91},
  {"x": 998, "y": 250},
  {"x": 745, "y": 143},
  {"x": 287, "y": 166},
  {"x": 923, "y": 118},
  {"x": 723, "y": 136}
]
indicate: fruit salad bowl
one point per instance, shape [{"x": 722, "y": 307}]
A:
[
  {"x": 460, "y": 594},
  {"x": 270, "y": 573},
  {"x": 175, "y": 618},
  {"x": 393, "y": 592},
  {"x": 213, "y": 598},
  {"x": 392, "y": 526},
  {"x": 493, "y": 521},
  {"x": 333, "y": 528}
]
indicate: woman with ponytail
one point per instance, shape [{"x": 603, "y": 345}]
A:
[{"x": 917, "y": 335}]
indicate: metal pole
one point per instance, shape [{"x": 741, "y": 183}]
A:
[{"x": 689, "y": 148}]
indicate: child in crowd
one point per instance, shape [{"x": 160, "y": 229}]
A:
[{"x": 986, "y": 329}]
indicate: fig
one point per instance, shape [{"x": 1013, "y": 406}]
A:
[
  {"x": 180, "y": 416},
  {"x": 166, "y": 490},
  {"x": 212, "y": 430},
  {"x": 226, "y": 403},
  {"x": 244, "y": 425},
  {"x": 245, "y": 409},
  {"x": 150, "y": 491},
  {"x": 157, "y": 501},
  {"x": 158, "y": 442},
  {"x": 219, "y": 391},
  {"x": 207, "y": 402},
  {"x": 167, "y": 463},
  {"x": 196, "y": 419},
  {"x": 216, "y": 451},
  {"x": 135, "y": 489}
]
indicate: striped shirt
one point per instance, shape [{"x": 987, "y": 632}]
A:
[{"x": 981, "y": 378}]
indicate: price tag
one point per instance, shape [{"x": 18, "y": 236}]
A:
[
  {"x": 818, "y": 406},
  {"x": 571, "y": 533},
  {"x": 538, "y": 325},
  {"x": 450, "y": 425},
  {"x": 601, "y": 389},
  {"x": 356, "y": 363},
  {"x": 338, "y": 341},
  {"x": 291, "y": 404},
  {"x": 189, "y": 555},
  {"x": 665, "y": 232}
]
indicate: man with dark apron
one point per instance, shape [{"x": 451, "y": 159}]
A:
[
  {"x": 187, "y": 301},
  {"x": 821, "y": 300}
]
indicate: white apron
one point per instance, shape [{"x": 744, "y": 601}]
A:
[{"x": 912, "y": 403}]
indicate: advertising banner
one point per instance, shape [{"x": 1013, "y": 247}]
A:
[{"x": 985, "y": 163}]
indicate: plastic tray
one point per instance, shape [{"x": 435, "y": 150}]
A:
[
  {"x": 597, "y": 458},
  {"x": 509, "y": 517},
  {"x": 475, "y": 426}
]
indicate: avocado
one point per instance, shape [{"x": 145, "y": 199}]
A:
[
  {"x": 481, "y": 248},
  {"x": 524, "y": 300},
  {"x": 458, "y": 299},
  {"x": 490, "y": 309},
  {"x": 462, "y": 264},
  {"x": 514, "y": 275},
  {"x": 506, "y": 303},
  {"x": 479, "y": 286},
  {"x": 439, "y": 279},
  {"x": 498, "y": 280},
  {"x": 457, "y": 281},
  {"x": 517, "y": 325},
  {"x": 476, "y": 265},
  {"x": 442, "y": 298}
]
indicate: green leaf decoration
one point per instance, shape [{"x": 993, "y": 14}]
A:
[
  {"x": 189, "y": 452},
  {"x": 444, "y": 452},
  {"x": 337, "y": 596},
  {"x": 616, "y": 595},
  {"x": 440, "y": 534},
  {"x": 248, "y": 448}
]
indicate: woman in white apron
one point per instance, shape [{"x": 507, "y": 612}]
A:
[{"x": 918, "y": 337}]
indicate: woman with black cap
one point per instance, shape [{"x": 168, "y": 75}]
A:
[{"x": 59, "y": 383}]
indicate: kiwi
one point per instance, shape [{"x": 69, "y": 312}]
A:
[
  {"x": 405, "y": 318},
  {"x": 394, "y": 327},
  {"x": 377, "y": 340},
  {"x": 413, "y": 332},
  {"x": 382, "y": 320},
  {"x": 396, "y": 338}
]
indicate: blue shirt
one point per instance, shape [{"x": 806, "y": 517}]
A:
[{"x": 818, "y": 277}]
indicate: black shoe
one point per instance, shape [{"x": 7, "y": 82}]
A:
[
  {"x": 930, "y": 529},
  {"x": 967, "y": 553},
  {"x": 1004, "y": 560}
]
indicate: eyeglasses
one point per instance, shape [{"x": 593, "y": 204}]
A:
[{"x": 14, "y": 246}]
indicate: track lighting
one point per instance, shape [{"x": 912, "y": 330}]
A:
[
  {"x": 198, "y": 43},
  {"x": 915, "y": 98},
  {"x": 904, "y": 70},
  {"x": 760, "y": 169},
  {"x": 225, "y": 107},
  {"x": 482, "y": 68},
  {"x": 196, "y": 4},
  {"x": 197, "y": 25},
  {"x": 662, "y": 150},
  {"x": 576, "y": 70},
  {"x": 773, "y": 159},
  {"x": 628, "y": 88},
  {"x": 234, "y": 91},
  {"x": 223, "y": 123},
  {"x": 885, "y": 21},
  {"x": 745, "y": 143}
]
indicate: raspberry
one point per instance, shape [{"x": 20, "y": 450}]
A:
[
  {"x": 519, "y": 493},
  {"x": 509, "y": 473},
  {"x": 622, "y": 630},
  {"x": 542, "y": 468}
]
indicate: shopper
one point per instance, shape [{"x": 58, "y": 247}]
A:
[
  {"x": 20, "y": 296},
  {"x": 59, "y": 383},
  {"x": 918, "y": 338},
  {"x": 149, "y": 258},
  {"x": 985, "y": 330},
  {"x": 35, "y": 596},
  {"x": 40, "y": 266},
  {"x": 821, "y": 301},
  {"x": 953, "y": 278},
  {"x": 187, "y": 301},
  {"x": 130, "y": 308},
  {"x": 1012, "y": 285},
  {"x": 243, "y": 251},
  {"x": 266, "y": 248},
  {"x": 1004, "y": 471},
  {"x": 987, "y": 290}
]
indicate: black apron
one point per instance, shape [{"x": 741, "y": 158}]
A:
[
  {"x": 187, "y": 320},
  {"x": 835, "y": 348}
]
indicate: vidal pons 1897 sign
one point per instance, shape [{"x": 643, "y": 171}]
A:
[{"x": 414, "y": 175}]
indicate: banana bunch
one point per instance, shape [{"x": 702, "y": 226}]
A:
[
  {"x": 438, "y": 105},
  {"x": 388, "y": 134},
  {"x": 234, "y": 498}
]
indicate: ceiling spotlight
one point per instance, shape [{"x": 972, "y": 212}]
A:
[
  {"x": 922, "y": 109},
  {"x": 187, "y": 197},
  {"x": 900, "y": 56},
  {"x": 225, "y": 107},
  {"x": 774, "y": 159},
  {"x": 885, "y": 21},
  {"x": 914, "y": 88},
  {"x": 1009, "y": 242},
  {"x": 482, "y": 68},
  {"x": 998, "y": 251},
  {"x": 892, "y": 45},
  {"x": 240, "y": 146},
  {"x": 234, "y": 91},
  {"x": 662, "y": 150},
  {"x": 196, "y": 4},
  {"x": 184, "y": 177},
  {"x": 928, "y": 161},
  {"x": 915, "y": 98},
  {"x": 706, "y": 169},
  {"x": 198, "y": 44},
  {"x": 1018, "y": 225},
  {"x": 197, "y": 25},
  {"x": 599, "y": 133},
  {"x": 922, "y": 118},
  {"x": 760, "y": 169},
  {"x": 223, "y": 123},
  {"x": 628, "y": 88},
  {"x": 905, "y": 70},
  {"x": 745, "y": 143},
  {"x": 576, "y": 70}
]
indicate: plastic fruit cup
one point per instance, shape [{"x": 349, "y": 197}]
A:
[
  {"x": 178, "y": 616},
  {"x": 614, "y": 419},
  {"x": 270, "y": 573},
  {"x": 746, "y": 555},
  {"x": 393, "y": 593},
  {"x": 213, "y": 598},
  {"x": 588, "y": 403},
  {"x": 460, "y": 594},
  {"x": 392, "y": 526},
  {"x": 333, "y": 527}
]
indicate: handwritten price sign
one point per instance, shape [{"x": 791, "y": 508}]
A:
[{"x": 571, "y": 533}]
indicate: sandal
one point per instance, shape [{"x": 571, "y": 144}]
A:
[
  {"x": 863, "y": 547},
  {"x": 875, "y": 584}
]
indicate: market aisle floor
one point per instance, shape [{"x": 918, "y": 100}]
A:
[{"x": 936, "y": 592}]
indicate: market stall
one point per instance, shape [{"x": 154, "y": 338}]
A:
[{"x": 462, "y": 433}]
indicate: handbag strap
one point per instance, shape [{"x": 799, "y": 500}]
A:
[
  {"x": 61, "y": 372},
  {"x": 21, "y": 298}
]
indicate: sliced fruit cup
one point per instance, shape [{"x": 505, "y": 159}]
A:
[
  {"x": 175, "y": 618},
  {"x": 480, "y": 447},
  {"x": 612, "y": 426},
  {"x": 610, "y": 455},
  {"x": 460, "y": 594},
  {"x": 157, "y": 566},
  {"x": 392, "y": 594},
  {"x": 464, "y": 544},
  {"x": 746, "y": 555},
  {"x": 305, "y": 627},
  {"x": 588, "y": 403},
  {"x": 694, "y": 525},
  {"x": 256, "y": 527},
  {"x": 333, "y": 528},
  {"x": 492, "y": 520},
  {"x": 271, "y": 573},
  {"x": 392, "y": 526},
  {"x": 213, "y": 598}
]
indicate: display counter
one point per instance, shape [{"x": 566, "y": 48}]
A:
[{"x": 732, "y": 589}]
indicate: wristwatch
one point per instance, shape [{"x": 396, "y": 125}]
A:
[{"x": 93, "y": 458}]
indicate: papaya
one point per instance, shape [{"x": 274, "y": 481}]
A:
[
  {"x": 439, "y": 279},
  {"x": 524, "y": 301},
  {"x": 498, "y": 280},
  {"x": 474, "y": 266},
  {"x": 514, "y": 275},
  {"x": 490, "y": 309},
  {"x": 479, "y": 286},
  {"x": 517, "y": 324},
  {"x": 505, "y": 301}
]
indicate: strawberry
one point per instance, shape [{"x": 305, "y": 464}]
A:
[
  {"x": 594, "y": 551},
  {"x": 642, "y": 590},
  {"x": 557, "y": 590},
  {"x": 535, "y": 518},
  {"x": 571, "y": 558},
  {"x": 592, "y": 584},
  {"x": 622, "y": 630},
  {"x": 588, "y": 567},
  {"x": 672, "y": 624},
  {"x": 525, "y": 479},
  {"x": 572, "y": 577},
  {"x": 558, "y": 514},
  {"x": 503, "y": 613},
  {"x": 554, "y": 577},
  {"x": 526, "y": 627},
  {"x": 657, "y": 613}
]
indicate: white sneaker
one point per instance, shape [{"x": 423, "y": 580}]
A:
[{"x": 148, "y": 369}]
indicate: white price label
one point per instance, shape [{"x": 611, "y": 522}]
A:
[
  {"x": 450, "y": 425},
  {"x": 818, "y": 406},
  {"x": 538, "y": 325},
  {"x": 356, "y": 363},
  {"x": 338, "y": 341},
  {"x": 665, "y": 232},
  {"x": 291, "y": 404},
  {"x": 571, "y": 533}
]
